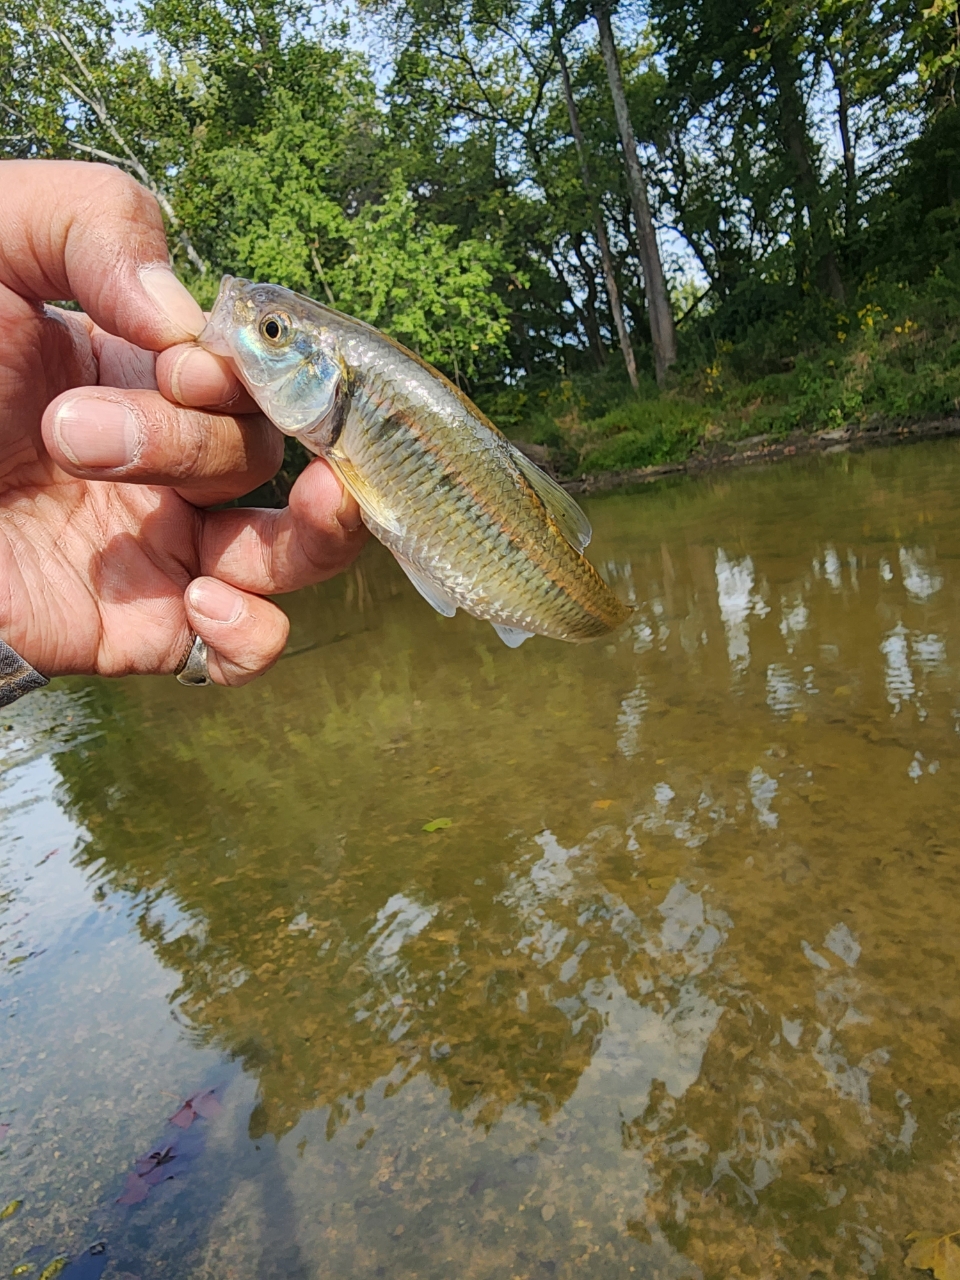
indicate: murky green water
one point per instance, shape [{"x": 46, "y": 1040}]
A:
[{"x": 673, "y": 994}]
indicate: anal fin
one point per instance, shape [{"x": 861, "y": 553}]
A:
[
  {"x": 431, "y": 591},
  {"x": 513, "y": 637}
]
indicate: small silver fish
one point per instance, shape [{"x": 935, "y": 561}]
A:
[{"x": 471, "y": 521}]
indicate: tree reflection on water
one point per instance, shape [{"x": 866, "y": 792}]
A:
[{"x": 685, "y": 958}]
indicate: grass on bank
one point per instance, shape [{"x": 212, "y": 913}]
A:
[{"x": 892, "y": 355}]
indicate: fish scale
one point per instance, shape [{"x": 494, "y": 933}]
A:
[
  {"x": 473, "y": 523},
  {"x": 462, "y": 543}
]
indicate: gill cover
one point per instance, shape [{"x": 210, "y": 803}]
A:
[{"x": 289, "y": 366}]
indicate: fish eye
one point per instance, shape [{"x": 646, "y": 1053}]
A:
[{"x": 275, "y": 329}]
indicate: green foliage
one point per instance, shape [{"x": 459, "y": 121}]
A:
[
  {"x": 410, "y": 277},
  {"x": 39, "y": 111},
  {"x": 646, "y": 433},
  {"x": 271, "y": 148},
  {"x": 265, "y": 200},
  {"x": 894, "y": 357},
  {"x": 918, "y": 229},
  {"x": 442, "y": 199}
]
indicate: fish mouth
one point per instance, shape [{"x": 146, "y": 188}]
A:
[{"x": 223, "y": 318}]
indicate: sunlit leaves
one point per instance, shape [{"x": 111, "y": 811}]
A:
[
  {"x": 410, "y": 277},
  {"x": 54, "y": 1268},
  {"x": 937, "y": 30}
]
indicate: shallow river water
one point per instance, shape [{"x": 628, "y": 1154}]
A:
[{"x": 670, "y": 991}]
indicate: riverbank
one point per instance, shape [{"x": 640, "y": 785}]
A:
[
  {"x": 758, "y": 450},
  {"x": 812, "y": 377}
]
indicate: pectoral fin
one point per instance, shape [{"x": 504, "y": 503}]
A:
[
  {"x": 513, "y": 637},
  {"x": 571, "y": 521},
  {"x": 375, "y": 514},
  {"x": 431, "y": 592}
]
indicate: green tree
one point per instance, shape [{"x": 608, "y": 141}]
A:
[
  {"x": 481, "y": 200},
  {"x": 68, "y": 91},
  {"x": 411, "y": 278}
]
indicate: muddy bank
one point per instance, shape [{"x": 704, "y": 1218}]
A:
[{"x": 760, "y": 449}]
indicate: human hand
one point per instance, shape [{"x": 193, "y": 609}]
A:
[{"x": 116, "y": 433}]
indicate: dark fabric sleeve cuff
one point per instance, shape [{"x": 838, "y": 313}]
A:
[{"x": 16, "y": 676}]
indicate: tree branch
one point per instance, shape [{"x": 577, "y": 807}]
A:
[{"x": 95, "y": 102}]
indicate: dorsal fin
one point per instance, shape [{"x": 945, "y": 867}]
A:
[{"x": 571, "y": 521}]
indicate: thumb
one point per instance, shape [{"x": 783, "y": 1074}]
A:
[{"x": 89, "y": 233}]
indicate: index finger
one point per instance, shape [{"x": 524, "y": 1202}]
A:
[
  {"x": 198, "y": 379},
  {"x": 88, "y": 232}
]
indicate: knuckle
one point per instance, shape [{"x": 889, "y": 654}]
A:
[
  {"x": 197, "y": 449},
  {"x": 236, "y": 671},
  {"x": 121, "y": 192},
  {"x": 117, "y": 197},
  {"x": 223, "y": 445},
  {"x": 179, "y": 446}
]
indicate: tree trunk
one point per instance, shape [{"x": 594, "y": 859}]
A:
[
  {"x": 805, "y": 184},
  {"x": 603, "y": 243},
  {"x": 849, "y": 159},
  {"x": 635, "y": 306},
  {"x": 523, "y": 342},
  {"x": 662, "y": 331}
]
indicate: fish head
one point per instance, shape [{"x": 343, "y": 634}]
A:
[{"x": 288, "y": 361}]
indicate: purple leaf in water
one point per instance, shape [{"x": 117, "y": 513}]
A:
[
  {"x": 135, "y": 1191},
  {"x": 164, "y": 1163},
  {"x": 185, "y": 1117},
  {"x": 4, "y": 1130},
  {"x": 152, "y": 1168},
  {"x": 156, "y": 1167},
  {"x": 205, "y": 1104}
]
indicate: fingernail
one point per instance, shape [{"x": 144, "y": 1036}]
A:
[
  {"x": 173, "y": 299},
  {"x": 198, "y": 378},
  {"x": 348, "y": 513},
  {"x": 215, "y": 600},
  {"x": 97, "y": 433}
]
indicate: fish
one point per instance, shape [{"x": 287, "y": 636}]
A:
[{"x": 472, "y": 522}]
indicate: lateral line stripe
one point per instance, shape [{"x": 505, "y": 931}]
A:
[{"x": 535, "y": 552}]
